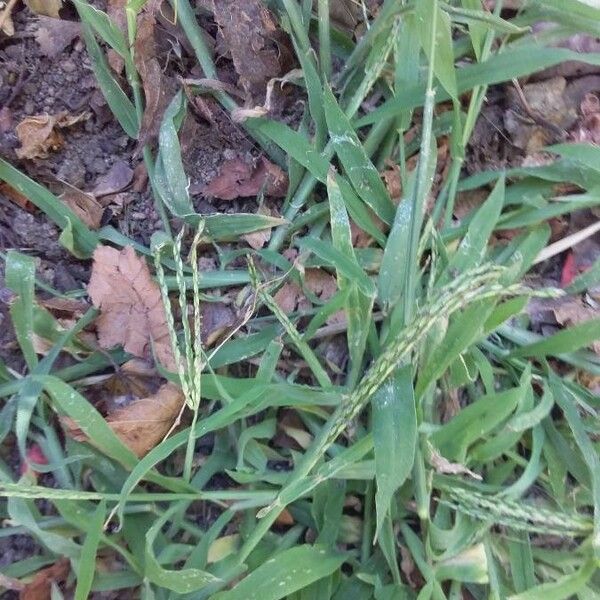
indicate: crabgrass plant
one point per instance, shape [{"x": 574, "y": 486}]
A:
[{"x": 454, "y": 455}]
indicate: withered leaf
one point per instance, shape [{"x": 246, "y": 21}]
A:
[
  {"x": 54, "y": 35},
  {"x": 16, "y": 197},
  {"x": 50, "y": 8},
  {"x": 39, "y": 588},
  {"x": 216, "y": 318},
  {"x": 237, "y": 179},
  {"x": 39, "y": 134},
  {"x": 156, "y": 85},
  {"x": 116, "y": 179},
  {"x": 84, "y": 205},
  {"x": 143, "y": 423},
  {"x": 258, "y": 47},
  {"x": 131, "y": 309},
  {"x": 257, "y": 239}
]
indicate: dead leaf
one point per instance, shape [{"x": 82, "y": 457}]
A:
[
  {"x": 50, "y": 8},
  {"x": 54, "y": 35},
  {"x": 116, "y": 179},
  {"x": 443, "y": 465},
  {"x": 143, "y": 423},
  {"x": 393, "y": 181},
  {"x": 40, "y": 134},
  {"x": 285, "y": 518},
  {"x": 588, "y": 129},
  {"x": 257, "y": 239},
  {"x": 6, "y": 120},
  {"x": 259, "y": 48},
  {"x": 237, "y": 179},
  {"x": 156, "y": 85},
  {"x": 84, "y": 205},
  {"x": 291, "y": 298},
  {"x": 131, "y": 309},
  {"x": 40, "y": 587},
  {"x": 217, "y": 317},
  {"x": 6, "y": 23},
  {"x": 16, "y": 197}
]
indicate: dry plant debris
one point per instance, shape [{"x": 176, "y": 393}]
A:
[{"x": 131, "y": 310}]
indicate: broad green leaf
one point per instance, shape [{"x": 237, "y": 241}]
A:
[
  {"x": 563, "y": 588},
  {"x": 100, "y": 22},
  {"x": 285, "y": 573},
  {"x": 358, "y": 306},
  {"x": 87, "y": 561},
  {"x": 473, "y": 247},
  {"x": 430, "y": 18},
  {"x": 567, "y": 340},
  {"x": 182, "y": 581},
  {"x": 566, "y": 401},
  {"x": 509, "y": 64},
  {"x": 473, "y": 422},
  {"x": 465, "y": 329},
  {"x": 48, "y": 203},
  {"x": 20, "y": 279},
  {"x": 170, "y": 178},
  {"x": 230, "y": 227},
  {"x": 360, "y": 170},
  {"x": 120, "y": 105},
  {"x": 345, "y": 265},
  {"x": 297, "y": 146},
  {"x": 395, "y": 438}
]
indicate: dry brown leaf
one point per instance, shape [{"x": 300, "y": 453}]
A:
[
  {"x": 143, "y": 423},
  {"x": 116, "y": 179},
  {"x": 84, "y": 205},
  {"x": 322, "y": 284},
  {"x": 393, "y": 181},
  {"x": 217, "y": 317},
  {"x": 49, "y": 8},
  {"x": 259, "y": 49},
  {"x": 54, "y": 35},
  {"x": 156, "y": 85},
  {"x": 39, "y": 134},
  {"x": 257, "y": 239},
  {"x": 131, "y": 309},
  {"x": 6, "y": 23},
  {"x": 237, "y": 179},
  {"x": 16, "y": 197},
  {"x": 443, "y": 465},
  {"x": 39, "y": 588}
]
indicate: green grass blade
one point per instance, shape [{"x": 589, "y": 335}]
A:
[
  {"x": 286, "y": 573},
  {"x": 87, "y": 561},
  {"x": 359, "y": 169},
  {"x": 395, "y": 438}
]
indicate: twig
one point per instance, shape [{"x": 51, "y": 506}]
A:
[{"x": 567, "y": 242}]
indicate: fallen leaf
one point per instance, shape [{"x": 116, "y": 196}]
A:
[
  {"x": 16, "y": 197},
  {"x": 291, "y": 298},
  {"x": 50, "y": 8},
  {"x": 588, "y": 129},
  {"x": 257, "y": 239},
  {"x": 39, "y": 134},
  {"x": 34, "y": 455},
  {"x": 217, "y": 317},
  {"x": 131, "y": 309},
  {"x": 237, "y": 179},
  {"x": 6, "y": 23},
  {"x": 259, "y": 48},
  {"x": 116, "y": 12},
  {"x": 84, "y": 205},
  {"x": 569, "y": 271},
  {"x": 443, "y": 465},
  {"x": 40, "y": 587},
  {"x": 393, "y": 181},
  {"x": 54, "y": 35},
  {"x": 144, "y": 423},
  {"x": 116, "y": 179},
  {"x": 156, "y": 85},
  {"x": 285, "y": 518}
]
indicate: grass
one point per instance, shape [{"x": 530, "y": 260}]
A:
[{"x": 387, "y": 498}]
